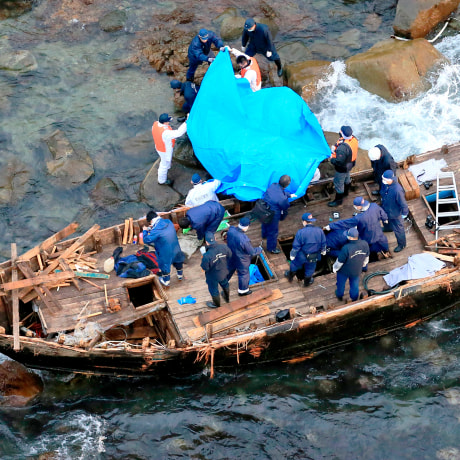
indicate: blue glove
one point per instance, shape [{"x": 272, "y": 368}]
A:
[
  {"x": 365, "y": 269},
  {"x": 188, "y": 299}
]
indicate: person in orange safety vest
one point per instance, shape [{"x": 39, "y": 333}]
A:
[
  {"x": 249, "y": 69},
  {"x": 164, "y": 137}
]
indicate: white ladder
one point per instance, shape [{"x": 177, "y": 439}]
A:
[{"x": 445, "y": 182}]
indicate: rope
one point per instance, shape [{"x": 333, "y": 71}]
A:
[{"x": 372, "y": 291}]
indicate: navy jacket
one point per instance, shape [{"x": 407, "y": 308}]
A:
[
  {"x": 241, "y": 247},
  {"x": 277, "y": 198},
  {"x": 198, "y": 51},
  {"x": 206, "y": 216},
  {"x": 342, "y": 160},
  {"x": 394, "y": 200},
  {"x": 367, "y": 222},
  {"x": 260, "y": 41},
  {"x": 335, "y": 240},
  {"x": 308, "y": 240},
  {"x": 189, "y": 90},
  {"x": 215, "y": 261},
  {"x": 352, "y": 256},
  {"x": 164, "y": 237},
  {"x": 383, "y": 164}
]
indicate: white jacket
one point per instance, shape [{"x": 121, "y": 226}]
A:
[{"x": 200, "y": 193}]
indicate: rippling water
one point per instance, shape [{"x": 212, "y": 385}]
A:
[{"x": 393, "y": 398}]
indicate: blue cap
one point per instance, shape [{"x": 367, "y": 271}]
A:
[
  {"x": 164, "y": 117},
  {"x": 249, "y": 23},
  {"x": 245, "y": 221},
  {"x": 176, "y": 84},
  {"x": 203, "y": 34},
  {"x": 209, "y": 237},
  {"x": 352, "y": 233},
  {"x": 196, "y": 179},
  {"x": 360, "y": 201},
  {"x": 389, "y": 174},
  {"x": 346, "y": 131},
  {"x": 308, "y": 217}
]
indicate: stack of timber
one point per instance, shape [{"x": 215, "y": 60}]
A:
[{"x": 59, "y": 309}]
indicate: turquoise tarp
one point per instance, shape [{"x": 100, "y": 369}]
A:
[{"x": 249, "y": 140}]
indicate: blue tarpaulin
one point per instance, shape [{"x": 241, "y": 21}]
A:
[{"x": 248, "y": 140}]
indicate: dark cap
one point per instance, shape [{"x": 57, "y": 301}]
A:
[
  {"x": 388, "y": 174},
  {"x": 308, "y": 217},
  {"x": 352, "y": 233},
  {"x": 245, "y": 221},
  {"x": 360, "y": 201},
  {"x": 346, "y": 131},
  {"x": 176, "y": 84},
  {"x": 209, "y": 237},
  {"x": 249, "y": 23},
  {"x": 196, "y": 179},
  {"x": 203, "y": 34},
  {"x": 164, "y": 118}
]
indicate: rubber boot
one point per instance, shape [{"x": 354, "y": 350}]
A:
[
  {"x": 215, "y": 302},
  {"x": 337, "y": 201},
  {"x": 289, "y": 275},
  {"x": 346, "y": 189},
  {"x": 226, "y": 294},
  {"x": 308, "y": 281}
]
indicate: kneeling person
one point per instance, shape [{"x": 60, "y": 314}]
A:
[
  {"x": 352, "y": 260},
  {"x": 215, "y": 264}
]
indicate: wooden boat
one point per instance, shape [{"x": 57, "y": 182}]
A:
[{"x": 58, "y": 291}]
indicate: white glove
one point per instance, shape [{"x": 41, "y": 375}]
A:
[
  {"x": 292, "y": 257},
  {"x": 404, "y": 217},
  {"x": 269, "y": 54},
  {"x": 203, "y": 250},
  {"x": 243, "y": 48},
  {"x": 210, "y": 60},
  {"x": 323, "y": 253},
  {"x": 293, "y": 195},
  {"x": 333, "y": 147},
  {"x": 327, "y": 228},
  {"x": 385, "y": 222}
]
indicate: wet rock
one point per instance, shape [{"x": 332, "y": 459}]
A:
[
  {"x": 14, "y": 8},
  {"x": 184, "y": 154},
  {"x": 140, "y": 146},
  {"x": 449, "y": 453},
  {"x": 14, "y": 179},
  {"x": 232, "y": 27},
  {"x": 113, "y": 21},
  {"x": 18, "y": 385},
  {"x": 182, "y": 176},
  {"x": 372, "y": 22},
  {"x": 106, "y": 193},
  {"x": 228, "y": 13},
  {"x": 329, "y": 51},
  {"x": 416, "y": 18},
  {"x": 17, "y": 61},
  {"x": 395, "y": 70},
  {"x": 159, "y": 197},
  {"x": 351, "y": 39},
  {"x": 304, "y": 76},
  {"x": 293, "y": 52},
  {"x": 70, "y": 166},
  {"x": 453, "y": 396}
]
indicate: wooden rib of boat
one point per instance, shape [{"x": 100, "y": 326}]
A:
[{"x": 60, "y": 310}]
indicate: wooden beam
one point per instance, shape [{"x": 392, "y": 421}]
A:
[
  {"x": 440, "y": 256},
  {"x": 14, "y": 279},
  {"x": 65, "y": 266},
  {"x": 130, "y": 231},
  {"x": 37, "y": 280},
  {"x": 126, "y": 231},
  {"x": 53, "y": 265}
]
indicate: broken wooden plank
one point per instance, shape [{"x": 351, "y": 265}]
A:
[
  {"x": 126, "y": 231},
  {"x": 130, "y": 231},
  {"x": 65, "y": 266},
  {"x": 231, "y": 307},
  {"x": 15, "y": 298},
  {"x": 440, "y": 256},
  {"x": 37, "y": 280}
]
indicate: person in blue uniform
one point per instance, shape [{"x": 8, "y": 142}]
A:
[
  {"x": 260, "y": 41},
  {"x": 242, "y": 252},
  {"x": 188, "y": 90},
  {"x": 381, "y": 161},
  {"x": 277, "y": 199},
  {"x": 352, "y": 260},
  {"x": 395, "y": 205},
  {"x": 308, "y": 247},
  {"x": 215, "y": 265},
  {"x": 368, "y": 222},
  {"x": 161, "y": 234},
  {"x": 203, "y": 218},
  {"x": 335, "y": 240},
  {"x": 200, "y": 50}
]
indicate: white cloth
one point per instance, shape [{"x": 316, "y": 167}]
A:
[
  {"x": 428, "y": 170},
  {"x": 250, "y": 75},
  {"x": 317, "y": 175},
  {"x": 200, "y": 193},
  {"x": 166, "y": 157},
  {"x": 418, "y": 266}
]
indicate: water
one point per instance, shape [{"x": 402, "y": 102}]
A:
[{"x": 395, "y": 397}]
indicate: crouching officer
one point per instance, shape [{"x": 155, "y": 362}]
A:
[
  {"x": 309, "y": 244},
  {"x": 162, "y": 235},
  {"x": 242, "y": 252},
  {"x": 215, "y": 265},
  {"x": 353, "y": 259},
  {"x": 203, "y": 218}
]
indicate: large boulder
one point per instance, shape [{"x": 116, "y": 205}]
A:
[
  {"x": 70, "y": 166},
  {"x": 303, "y": 77},
  {"x": 14, "y": 8},
  {"x": 293, "y": 52},
  {"x": 416, "y": 18},
  {"x": 106, "y": 193},
  {"x": 183, "y": 153},
  {"x": 395, "y": 70},
  {"x": 14, "y": 179},
  {"x": 232, "y": 27},
  {"x": 17, "y": 61},
  {"x": 18, "y": 385},
  {"x": 113, "y": 21}
]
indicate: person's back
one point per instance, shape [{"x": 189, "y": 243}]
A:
[
  {"x": 393, "y": 200},
  {"x": 353, "y": 255},
  {"x": 277, "y": 197},
  {"x": 309, "y": 240},
  {"x": 204, "y": 213},
  {"x": 203, "y": 192},
  {"x": 335, "y": 240},
  {"x": 369, "y": 223},
  {"x": 215, "y": 261},
  {"x": 163, "y": 236}
]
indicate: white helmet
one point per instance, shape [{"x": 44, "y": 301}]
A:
[{"x": 374, "y": 153}]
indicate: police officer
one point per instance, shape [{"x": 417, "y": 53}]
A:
[
  {"x": 203, "y": 218},
  {"x": 188, "y": 90},
  {"x": 162, "y": 235},
  {"x": 335, "y": 240},
  {"x": 352, "y": 260},
  {"x": 395, "y": 205},
  {"x": 277, "y": 199},
  {"x": 215, "y": 265},
  {"x": 308, "y": 246},
  {"x": 342, "y": 161},
  {"x": 242, "y": 252},
  {"x": 202, "y": 191},
  {"x": 260, "y": 41},
  {"x": 200, "y": 50},
  {"x": 381, "y": 161},
  {"x": 368, "y": 221}
]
